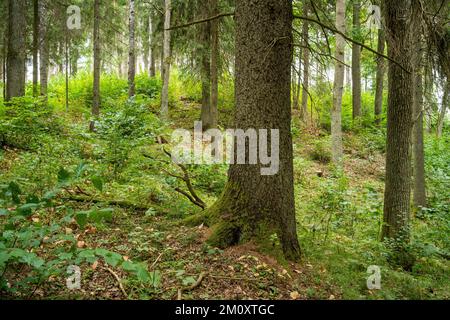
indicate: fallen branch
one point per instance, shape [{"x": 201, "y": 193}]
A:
[
  {"x": 192, "y": 195},
  {"x": 194, "y": 286},
  {"x": 118, "y": 281}
]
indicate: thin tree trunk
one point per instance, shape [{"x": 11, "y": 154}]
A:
[
  {"x": 356, "y": 62},
  {"x": 152, "y": 27},
  {"x": 381, "y": 70},
  {"x": 399, "y": 129},
  {"x": 442, "y": 114},
  {"x": 4, "y": 67},
  {"x": 75, "y": 54},
  {"x": 132, "y": 52},
  {"x": 305, "y": 91},
  {"x": 43, "y": 50},
  {"x": 420, "y": 196},
  {"x": 166, "y": 60},
  {"x": 419, "y": 188},
  {"x": 215, "y": 54},
  {"x": 253, "y": 205},
  {"x": 97, "y": 64},
  {"x": 67, "y": 68},
  {"x": 15, "y": 83},
  {"x": 205, "y": 56},
  {"x": 146, "y": 44},
  {"x": 336, "y": 112},
  {"x": 35, "y": 47},
  {"x": 297, "y": 85}
]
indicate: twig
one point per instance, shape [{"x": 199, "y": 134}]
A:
[
  {"x": 352, "y": 40},
  {"x": 118, "y": 281},
  {"x": 156, "y": 261},
  {"x": 202, "y": 20},
  {"x": 194, "y": 286}
]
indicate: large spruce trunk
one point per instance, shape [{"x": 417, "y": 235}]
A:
[
  {"x": 399, "y": 128},
  {"x": 254, "y": 206}
]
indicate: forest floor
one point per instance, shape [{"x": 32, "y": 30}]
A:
[{"x": 338, "y": 216}]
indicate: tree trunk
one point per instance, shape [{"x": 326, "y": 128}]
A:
[
  {"x": 381, "y": 70},
  {"x": 4, "y": 66},
  {"x": 420, "y": 196},
  {"x": 398, "y": 151},
  {"x": 298, "y": 82},
  {"x": 419, "y": 188},
  {"x": 146, "y": 43},
  {"x": 152, "y": 27},
  {"x": 305, "y": 91},
  {"x": 75, "y": 54},
  {"x": 97, "y": 64},
  {"x": 442, "y": 114},
  {"x": 356, "y": 62},
  {"x": 66, "y": 50},
  {"x": 35, "y": 47},
  {"x": 132, "y": 52},
  {"x": 43, "y": 49},
  {"x": 215, "y": 54},
  {"x": 166, "y": 60},
  {"x": 17, "y": 24},
  {"x": 205, "y": 56},
  {"x": 336, "y": 112},
  {"x": 255, "y": 206}
]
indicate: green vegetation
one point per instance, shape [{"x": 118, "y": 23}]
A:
[{"x": 72, "y": 197}]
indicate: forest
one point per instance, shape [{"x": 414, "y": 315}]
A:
[{"x": 224, "y": 150}]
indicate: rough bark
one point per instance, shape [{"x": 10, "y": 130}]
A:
[
  {"x": 338, "y": 90},
  {"x": 35, "y": 47},
  {"x": 166, "y": 60},
  {"x": 215, "y": 54},
  {"x": 381, "y": 71},
  {"x": 399, "y": 128},
  {"x": 97, "y": 64},
  {"x": 132, "y": 51},
  {"x": 15, "y": 83},
  {"x": 254, "y": 206},
  {"x": 306, "y": 54},
  {"x": 356, "y": 62}
]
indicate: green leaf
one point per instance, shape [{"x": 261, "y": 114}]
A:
[
  {"x": 27, "y": 209},
  {"x": 111, "y": 258},
  {"x": 15, "y": 191},
  {"x": 188, "y": 281},
  {"x": 81, "y": 218},
  {"x": 79, "y": 170},
  {"x": 98, "y": 183},
  {"x": 63, "y": 176},
  {"x": 155, "y": 278},
  {"x": 4, "y": 212}
]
